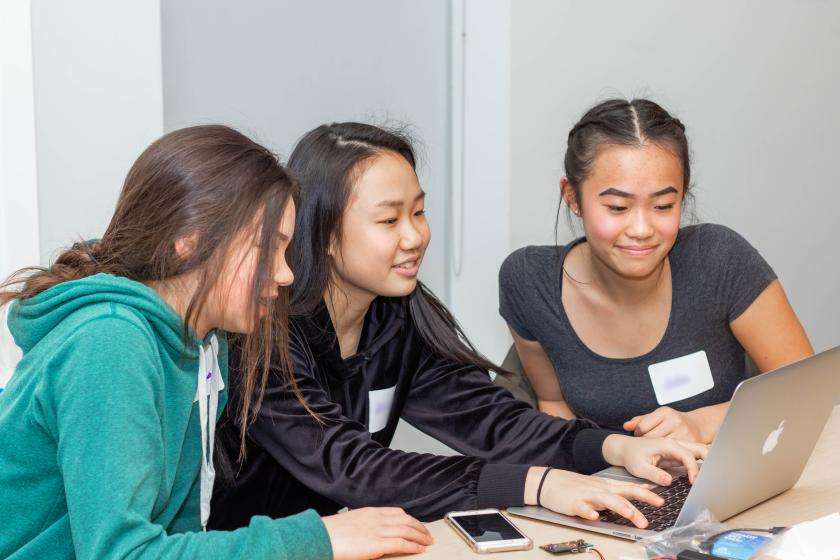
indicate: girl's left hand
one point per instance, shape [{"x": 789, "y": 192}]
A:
[
  {"x": 645, "y": 457},
  {"x": 667, "y": 422}
]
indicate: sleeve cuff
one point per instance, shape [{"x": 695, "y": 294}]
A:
[
  {"x": 301, "y": 536},
  {"x": 501, "y": 486},
  {"x": 587, "y": 450}
]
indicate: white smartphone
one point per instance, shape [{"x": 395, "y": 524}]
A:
[{"x": 487, "y": 530}]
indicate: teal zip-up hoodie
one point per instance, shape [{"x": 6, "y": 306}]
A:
[{"x": 100, "y": 443}]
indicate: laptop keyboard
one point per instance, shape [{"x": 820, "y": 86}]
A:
[{"x": 660, "y": 518}]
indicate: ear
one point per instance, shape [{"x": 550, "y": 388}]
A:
[
  {"x": 332, "y": 249},
  {"x": 185, "y": 246},
  {"x": 569, "y": 195}
]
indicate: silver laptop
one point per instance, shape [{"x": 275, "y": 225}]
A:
[{"x": 764, "y": 442}]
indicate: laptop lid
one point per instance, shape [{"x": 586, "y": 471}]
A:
[
  {"x": 767, "y": 436},
  {"x": 762, "y": 447}
]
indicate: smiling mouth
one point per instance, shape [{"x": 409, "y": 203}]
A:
[
  {"x": 408, "y": 269},
  {"x": 637, "y": 250}
]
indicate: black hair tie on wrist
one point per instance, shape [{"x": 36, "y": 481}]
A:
[{"x": 542, "y": 480}]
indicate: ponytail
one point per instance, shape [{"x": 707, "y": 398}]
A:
[{"x": 83, "y": 259}]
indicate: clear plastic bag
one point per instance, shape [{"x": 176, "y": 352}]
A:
[{"x": 672, "y": 541}]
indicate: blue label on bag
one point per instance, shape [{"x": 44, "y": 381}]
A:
[{"x": 739, "y": 545}]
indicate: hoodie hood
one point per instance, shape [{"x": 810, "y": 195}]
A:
[{"x": 31, "y": 320}]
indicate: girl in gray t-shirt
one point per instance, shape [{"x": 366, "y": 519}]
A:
[{"x": 642, "y": 325}]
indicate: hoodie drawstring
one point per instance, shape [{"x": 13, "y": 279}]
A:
[{"x": 209, "y": 384}]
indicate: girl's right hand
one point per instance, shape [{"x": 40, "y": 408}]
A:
[
  {"x": 585, "y": 496},
  {"x": 647, "y": 457},
  {"x": 371, "y": 532}
]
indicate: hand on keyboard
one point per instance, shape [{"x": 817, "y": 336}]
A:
[
  {"x": 584, "y": 496},
  {"x": 645, "y": 457},
  {"x": 659, "y": 518}
]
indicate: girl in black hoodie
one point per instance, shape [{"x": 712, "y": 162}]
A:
[{"x": 370, "y": 344}]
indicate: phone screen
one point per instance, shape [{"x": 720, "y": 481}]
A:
[{"x": 487, "y": 527}]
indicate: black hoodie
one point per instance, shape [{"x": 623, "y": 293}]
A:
[{"x": 295, "y": 461}]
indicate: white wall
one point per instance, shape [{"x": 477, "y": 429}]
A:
[
  {"x": 98, "y": 104},
  {"x": 80, "y": 98},
  {"x": 755, "y": 82},
  {"x": 18, "y": 178}
]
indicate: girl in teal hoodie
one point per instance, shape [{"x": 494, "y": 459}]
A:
[{"x": 106, "y": 426}]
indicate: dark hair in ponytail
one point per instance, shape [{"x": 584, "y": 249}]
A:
[
  {"x": 326, "y": 162},
  {"x": 625, "y": 123},
  {"x": 209, "y": 183}
]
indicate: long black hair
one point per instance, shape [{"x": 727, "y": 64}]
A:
[{"x": 326, "y": 162}]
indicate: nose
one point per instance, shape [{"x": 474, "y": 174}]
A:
[
  {"x": 641, "y": 225},
  {"x": 411, "y": 237},
  {"x": 283, "y": 275}
]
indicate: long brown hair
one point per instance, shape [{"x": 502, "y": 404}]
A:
[{"x": 206, "y": 184}]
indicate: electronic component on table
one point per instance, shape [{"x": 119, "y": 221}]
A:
[
  {"x": 567, "y": 547},
  {"x": 572, "y": 547}
]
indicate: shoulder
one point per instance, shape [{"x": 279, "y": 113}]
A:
[
  {"x": 311, "y": 339},
  {"x": 711, "y": 245},
  {"x": 528, "y": 287},
  {"x": 112, "y": 324},
  {"x": 102, "y": 343},
  {"x": 109, "y": 352},
  {"x": 730, "y": 266},
  {"x": 526, "y": 261},
  {"x": 710, "y": 236}
]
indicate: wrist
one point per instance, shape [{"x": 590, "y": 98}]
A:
[
  {"x": 697, "y": 418},
  {"x": 707, "y": 420},
  {"x": 612, "y": 449},
  {"x": 532, "y": 484}
]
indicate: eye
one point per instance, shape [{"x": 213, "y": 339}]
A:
[
  {"x": 616, "y": 209},
  {"x": 389, "y": 221},
  {"x": 420, "y": 212},
  {"x": 665, "y": 206}
]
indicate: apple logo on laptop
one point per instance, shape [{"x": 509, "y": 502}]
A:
[{"x": 773, "y": 439}]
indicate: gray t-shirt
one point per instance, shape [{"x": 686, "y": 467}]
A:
[{"x": 716, "y": 274}]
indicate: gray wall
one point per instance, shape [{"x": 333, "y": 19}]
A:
[
  {"x": 276, "y": 69},
  {"x": 757, "y": 84}
]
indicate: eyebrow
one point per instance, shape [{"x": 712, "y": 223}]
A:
[
  {"x": 283, "y": 237},
  {"x": 622, "y": 194},
  {"x": 399, "y": 203}
]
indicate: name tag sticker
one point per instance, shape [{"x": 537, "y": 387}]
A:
[
  {"x": 681, "y": 378},
  {"x": 379, "y": 408}
]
